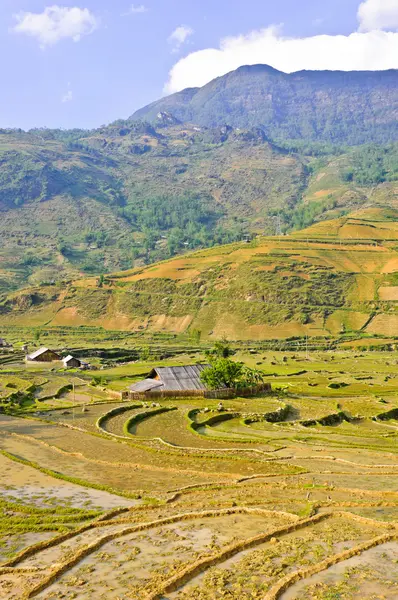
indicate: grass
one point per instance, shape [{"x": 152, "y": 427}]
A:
[{"x": 274, "y": 288}]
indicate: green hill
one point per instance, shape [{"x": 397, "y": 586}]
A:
[
  {"x": 90, "y": 202},
  {"x": 336, "y": 277},
  {"x": 77, "y": 203},
  {"x": 124, "y": 195},
  {"x": 332, "y": 106}
]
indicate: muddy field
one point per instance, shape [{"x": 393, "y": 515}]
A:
[{"x": 176, "y": 506}]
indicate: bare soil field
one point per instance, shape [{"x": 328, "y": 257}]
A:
[{"x": 290, "y": 495}]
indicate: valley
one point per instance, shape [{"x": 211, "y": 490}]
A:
[
  {"x": 199, "y": 346},
  {"x": 261, "y": 505}
]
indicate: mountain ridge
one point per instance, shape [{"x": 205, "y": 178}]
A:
[{"x": 350, "y": 107}]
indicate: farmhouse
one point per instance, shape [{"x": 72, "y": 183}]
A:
[
  {"x": 4, "y": 344},
  {"x": 70, "y": 362},
  {"x": 181, "y": 380},
  {"x": 43, "y": 355}
]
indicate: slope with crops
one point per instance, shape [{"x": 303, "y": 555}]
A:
[{"x": 335, "y": 277}]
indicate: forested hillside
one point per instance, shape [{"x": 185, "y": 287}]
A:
[
  {"x": 332, "y": 106},
  {"x": 128, "y": 194},
  {"x": 78, "y": 202},
  {"x": 336, "y": 277}
]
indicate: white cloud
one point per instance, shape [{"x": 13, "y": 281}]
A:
[
  {"x": 136, "y": 10},
  {"x": 56, "y": 23},
  {"x": 68, "y": 97},
  {"x": 378, "y": 14},
  {"x": 179, "y": 36},
  {"x": 374, "y": 50}
]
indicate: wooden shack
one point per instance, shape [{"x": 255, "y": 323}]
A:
[
  {"x": 43, "y": 355},
  {"x": 180, "y": 380},
  {"x": 70, "y": 362},
  {"x": 183, "y": 382}
]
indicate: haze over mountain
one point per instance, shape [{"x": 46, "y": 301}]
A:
[{"x": 335, "y": 106}]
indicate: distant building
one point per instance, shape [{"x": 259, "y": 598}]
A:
[
  {"x": 70, "y": 362},
  {"x": 183, "y": 382},
  {"x": 172, "y": 379},
  {"x": 4, "y": 344},
  {"x": 43, "y": 355}
]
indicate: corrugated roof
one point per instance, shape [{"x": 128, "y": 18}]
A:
[
  {"x": 172, "y": 379},
  {"x": 181, "y": 378},
  {"x": 68, "y": 358},
  {"x": 146, "y": 385},
  {"x": 40, "y": 352}
]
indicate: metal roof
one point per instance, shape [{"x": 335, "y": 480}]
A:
[
  {"x": 165, "y": 379},
  {"x": 39, "y": 353},
  {"x": 180, "y": 378},
  {"x": 146, "y": 385},
  {"x": 69, "y": 358}
]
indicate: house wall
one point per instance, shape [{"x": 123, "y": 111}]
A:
[{"x": 73, "y": 363}]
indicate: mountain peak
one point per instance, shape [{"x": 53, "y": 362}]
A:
[
  {"x": 258, "y": 68},
  {"x": 309, "y": 105}
]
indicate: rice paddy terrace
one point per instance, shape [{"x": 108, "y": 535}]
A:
[
  {"x": 337, "y": 277},
  {"x": 292, "y": 495}
]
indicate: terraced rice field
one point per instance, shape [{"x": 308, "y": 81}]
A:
[{"x": 288, "y": 496}]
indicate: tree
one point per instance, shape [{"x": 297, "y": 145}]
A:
[
  {"x": 144, "y": 353},
  {"x": 224, "y": 372},
  {"x": 195, "y": 335},
  {"x": 221, "y": 349}
]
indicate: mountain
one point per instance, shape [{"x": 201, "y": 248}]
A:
[
  {"x": 95, "y": 201},
  {"x": 77, "y": 202},
  {"x": 332, "y": 106},
  {"x": 336, "y": 278},
  {"x": 84, "y": 202}
]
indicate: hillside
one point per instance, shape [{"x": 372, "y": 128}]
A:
[
  {"x": 124, "y": 195},
  {"x": 336, "y": 277},
  {"x": 339, "y": 107},
  {"x": 264, "y": 153},
  {"x": 88, "y": 202}
]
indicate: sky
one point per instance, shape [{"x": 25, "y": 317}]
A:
[{"x": 84, "y": 63}]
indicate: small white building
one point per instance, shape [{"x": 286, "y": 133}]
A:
[{"x": 70, "y": 362}]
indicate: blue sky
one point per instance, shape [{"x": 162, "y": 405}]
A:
[{"x": 84, "y": 63}]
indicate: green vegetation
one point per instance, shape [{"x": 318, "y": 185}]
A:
[
  {"x": 333, "y": 282},
  {"x": 320, "y": 106},
  {"x": 227, "y": 373},
  {"x": 100, "y": 204},
  {"x": 373, "y": 164}
]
